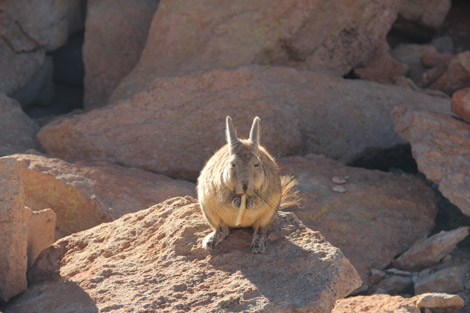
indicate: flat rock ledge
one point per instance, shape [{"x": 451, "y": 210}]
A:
[{"x": 152, "y": 260}]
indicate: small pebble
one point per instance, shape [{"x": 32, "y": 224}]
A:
[
  {"x": 339, "y": 189},
  {"x": 339, "y": 180}
]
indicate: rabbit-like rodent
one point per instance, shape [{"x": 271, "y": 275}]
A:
[{"x": 242, "y": 169}]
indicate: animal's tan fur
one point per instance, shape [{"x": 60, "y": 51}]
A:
[{"x": 221, "y": 181}]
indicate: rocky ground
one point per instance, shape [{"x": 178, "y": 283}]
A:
[{"x": 109, "y": 110}]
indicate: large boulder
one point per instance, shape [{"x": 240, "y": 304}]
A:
[
  {"x": 24, "y": 233},
  {"x": 17, "y": 130},
  {"x": 178, "y": 123},
  {"x": 47, "y": 22},
  {"x": 325, "y": 36},
  {"x": 440, "y": 146},
  {"x": 153, "y": 260},
  {"x": 372, "y": 217},
  {"x": 86, "y": 194},
  {"x": 115, "y": 35}
]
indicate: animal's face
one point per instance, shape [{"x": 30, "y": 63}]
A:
[{"x": 244, "y": 172}]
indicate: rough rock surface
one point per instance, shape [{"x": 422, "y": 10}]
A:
[
  {"x": 410, "y": 55},
  {"x": 86, "y": 194},
  {"x": 440, "y": 301},
  {"x": 429, "y": 13},
  {"x": 300, "y": 112},
  {"x": 382, "y": 68},
  {"x": 449, "y": 279},
  {"x": 440, "y": 146},
  {"x": 185, "y": 37},
  {"x": 429, "y": 251},
  {"x": 375, "y": 304},
  {"x": 461, "y": 103},
  {"x": 17, "y": 130},
  {"x": 115, "y": 35},
  {"x": 24, "y": 234},
  {"x": 380, "y": 215},
  {"x": 48, "y": 22},
  {"x": 152, "y": 260},
  {"x": 40, "y": 230},
  {"x": 21, "y": 57},
  {"x": 13, "y": 232},
  {"x": 457, "y": 75}
]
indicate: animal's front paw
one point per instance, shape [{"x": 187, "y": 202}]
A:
[
  {"x": 211, "y": 240},
  {"x": 258, "y": 244}
]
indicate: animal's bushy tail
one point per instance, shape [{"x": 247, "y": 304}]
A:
[{"x": 290, "y": 195}]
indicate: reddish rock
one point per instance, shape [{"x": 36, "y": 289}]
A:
[
  {"x": 432, "y": 58},
  {"x": 440, "y": 146},
  {"x": 40, "y": 229},
  {"x": 17, "y": 130},
  {"x": 429, "y": 251},
  {"x": 448, "y": 280},
  {"x": 382, "y": 68},
  {"x": 380, "y": 215},
  {"x": 152, "y": 260},
  {"x": 376, "y": 304},
  {"x": 457, "y": 75},
  {"x": 113, "y": 44},
  {"x": 440, "y": 302},
  {"x": 461, "y": 103},
  {"x": 430, "y": 76},
  {"x": 185, "y": 38},
  {"x": 410, "y": 55},
  {"x": 86, "y": 194},
  {"x": 300, "y": 112},
  {"x": 13, "y": 231}
]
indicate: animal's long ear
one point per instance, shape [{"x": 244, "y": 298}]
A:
[
  {"x": 231, "y": 134},
  {"x": 254, "y": 132}
]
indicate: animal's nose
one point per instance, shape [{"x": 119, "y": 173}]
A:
[{"x": 245, "y": 187}]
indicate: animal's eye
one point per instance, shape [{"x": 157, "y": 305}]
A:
[
  {"x": 256, "y": 164},
  {"x": 233, "y": 164}
]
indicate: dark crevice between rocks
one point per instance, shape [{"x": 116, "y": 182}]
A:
[
  {"x": 449, "y": 217},
  {"x": 67, "y": 82},
  {"x": 396, "y": 159},
  {"x": 351, "y": 75}
]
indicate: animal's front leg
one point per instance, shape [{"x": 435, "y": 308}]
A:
[
  {"x": 259, "y": 242},
  {"x": 213, "y": 239}
]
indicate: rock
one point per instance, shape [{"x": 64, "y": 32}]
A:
[
  {"x": 429, "y": 251},
  {"x": 461, "y": 103},
  {"x": 448, "y": 280},
  {"x": 382, "y": 68},
  {"x": 40, "y": 229},
  {"x": 185, "y": 39},
  {"x": 381, "y": 215},
  {"x": 339, "y": 180},
  {"x": 339, "y": 189},
  {"x": 421, "y": 18},
  {"x": 301, "y": 112},
  {"x": 21, "y": 57},
  {"x": 443, "y": 302},
  {"x": 113, "y": 44},
  {"x": 393, "y": 285},
  {"x": 48, "y": 23},
  {"x": 86, "y": 194},
  {"x": 154, "y": 261},
  {"x": 376, "y": 275},
  {"x": 39, "y": 89},
  {"x": 430, "y": 76},
  {"x": 457, "y": 75},
  {"x": 444, "y": 44},
  {"x": 376, "y": 303},
  {"x": 13, "y": 261},
  {"x": 24, "y": 233},
  {"x": 440, "y": 146},
  {"x": 17, "y": 130},
  {"x": 431, "y": 58},
  {"x": 410, "y": 55}
]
